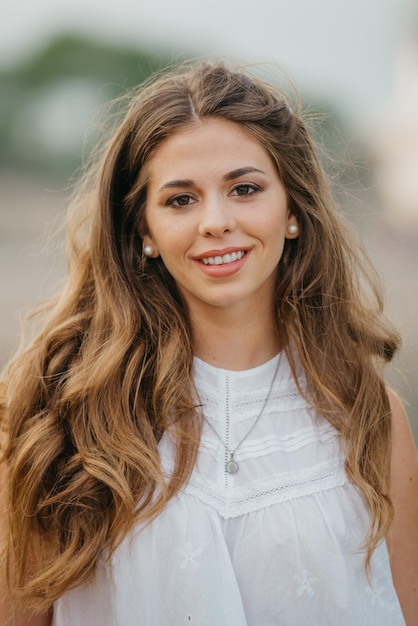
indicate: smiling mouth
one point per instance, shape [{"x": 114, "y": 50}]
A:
[{"x": 225, "y": 259}]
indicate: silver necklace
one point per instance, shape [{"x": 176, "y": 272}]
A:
[{"x": 231, "y": 466}]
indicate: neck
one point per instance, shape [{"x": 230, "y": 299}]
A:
[{"x": 233, "y": 341}]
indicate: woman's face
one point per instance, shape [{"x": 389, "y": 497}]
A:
[{"x": 216, "y": 213}]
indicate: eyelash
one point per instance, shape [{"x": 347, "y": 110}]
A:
[
  {"x": 249, "y": 186},
  {"x": 251, "y": 190},
  {"x": 174, "y": 199}
]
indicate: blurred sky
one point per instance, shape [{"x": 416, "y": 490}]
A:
[{"x": 343, "y": 49}]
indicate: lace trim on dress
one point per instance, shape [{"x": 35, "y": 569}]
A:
[
  {"x": 239, "y": 500},
  {"x": 268, "y": 444},
  {"x": 245, "y": 406},
  {"x": 249, "y": 398}
]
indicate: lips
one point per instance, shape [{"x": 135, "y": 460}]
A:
[
  {"x": 218, "y": 256},
  {"x": 222, "y": 263}
]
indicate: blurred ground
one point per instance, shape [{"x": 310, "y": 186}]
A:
[
  {"x": 32, "y": 264},
  {"x": 395, "y": 255}
]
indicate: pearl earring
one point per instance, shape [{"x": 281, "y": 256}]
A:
[
  {"x": 293, "y": 229},
  {"x": 148, "y": 250}
]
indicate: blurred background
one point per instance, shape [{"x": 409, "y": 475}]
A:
[{"x": 355, "y": 61}]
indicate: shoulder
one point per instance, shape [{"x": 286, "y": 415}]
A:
[
  {"x": 403, "y": 540},
  {"x": 404, "y": 455},
  {"x": 404, "y": 465}
]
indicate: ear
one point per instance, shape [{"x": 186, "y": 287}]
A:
[
  {"x": 148, "y": 242},
  {"x": 292, "y": 229}
]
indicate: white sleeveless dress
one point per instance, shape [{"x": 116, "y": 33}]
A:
[{"x": 277, "y": 543}]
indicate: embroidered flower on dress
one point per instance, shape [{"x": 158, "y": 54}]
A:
[
  {"x": 305, "y": 584},
  {"x": 376, "y": 595},
  {"x": 189, "y": 556}
]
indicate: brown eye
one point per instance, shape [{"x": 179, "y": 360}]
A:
[
  {"x": 180, "y": 201},
  {"x": 245, "y": 190}
]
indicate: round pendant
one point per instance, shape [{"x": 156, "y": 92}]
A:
[{"x": 232, "y": 467}]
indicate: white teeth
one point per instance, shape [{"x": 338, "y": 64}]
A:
[{"x": 226, "y": 258}]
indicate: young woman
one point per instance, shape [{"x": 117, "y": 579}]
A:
[{"x": 200, "y": 433}]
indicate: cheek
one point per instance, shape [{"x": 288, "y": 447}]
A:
[
  {"x": 275, "y": 241},
  {"x": 171, "y": 252},
  {"x": 173, "y": 237},
  {"x": 274, "y": 229}
]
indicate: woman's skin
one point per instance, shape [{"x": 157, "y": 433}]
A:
[
  {"x": 214, "y": 191},
  {"x": 403, "y": 539}
]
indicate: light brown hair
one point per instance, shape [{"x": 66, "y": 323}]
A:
[{"x": 111, "y": 369}]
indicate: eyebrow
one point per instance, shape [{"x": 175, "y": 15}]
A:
[{"x": 241, "y": 171}]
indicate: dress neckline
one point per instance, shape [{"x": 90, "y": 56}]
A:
[
  {"x": 256, "y": 378},
  {"x": 205, "y": 367}
]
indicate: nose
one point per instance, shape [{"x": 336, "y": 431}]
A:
[{"x": 216, "y": 218}]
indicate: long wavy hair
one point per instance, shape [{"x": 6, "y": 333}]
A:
[{"x": 110, "y": 371}]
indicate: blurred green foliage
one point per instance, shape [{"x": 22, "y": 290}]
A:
[
  {"x": 42, "y": 96},
  {"x": 71, "y": 55},
  {"x": 50, "y": 101}
]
